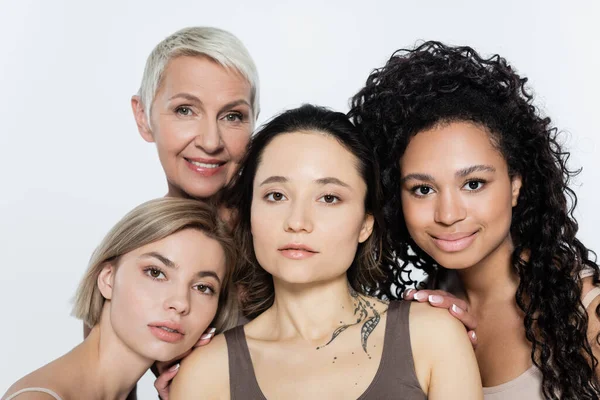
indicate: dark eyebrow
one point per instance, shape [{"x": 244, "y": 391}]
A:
[
  {"x": 461, "y": 173},
  {"x": 171, "y": 264},
  {"x": 160, "y": 258},
  {"x": 321, "y": 181},
  {"x": 274, "y": 179},
  {"x": 418, "y": 177},
  {"x": 213, "y": 274},
  {"x": 330, "y": 179}
]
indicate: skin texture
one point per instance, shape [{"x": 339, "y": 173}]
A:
[
  {"x": 120, "y": 349},
  {"x": 201, "y": 112},
  {"x": 479, "y": 203},
  {"x": 294, "y": 349}
]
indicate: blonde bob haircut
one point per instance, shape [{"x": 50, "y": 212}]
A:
[
  {"x": 216, "y": 44},
  {"x": 147, "y": 223}
]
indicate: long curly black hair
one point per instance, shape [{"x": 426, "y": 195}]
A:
[{"x": 434, "y": 83}]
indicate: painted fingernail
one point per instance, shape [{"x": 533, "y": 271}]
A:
[
  {"x": 473, "y": 335},
  {"x": 457, "y": 309},
  {"x": 435, "y": 299},
  {"x": 174, "y": 367},
  {"x": 407, "y": 293},
  {"x": 420, "y": 296},
  {"x": 206, "y": 336}
]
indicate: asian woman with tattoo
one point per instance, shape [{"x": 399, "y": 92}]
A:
[
  {"x": 309, "y": 224},
  {"x": 476, "y": 186}
]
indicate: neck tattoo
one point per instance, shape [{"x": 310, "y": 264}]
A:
[{"x": 362, "y": 306}]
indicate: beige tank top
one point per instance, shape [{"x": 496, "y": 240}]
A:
[
  {"x": 528, "y": 385},
  {"x": 34, "y": 389}
]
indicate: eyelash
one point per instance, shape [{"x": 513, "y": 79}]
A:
[
  {"x": 184, "y": 107},
  {"x": 268, "y": 197},
  {"x": 240, "y": 116},
  {"x": 414, "y": 189},
  {"x": 149, "y": 270},
  {"x": 178, "y": 110}
]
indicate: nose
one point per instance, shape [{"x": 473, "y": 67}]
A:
[
  {"x": 449, "y": 208},
  {"x": 299, "y": 218},
  {"x": 178, "y": 301},
  {"x": 208, "y": 137}
]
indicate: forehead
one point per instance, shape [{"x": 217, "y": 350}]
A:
[
  {"x": 198, "y": 74},
  {"x": 448, "y": 147},
  {"x": 307, "y": 154}
]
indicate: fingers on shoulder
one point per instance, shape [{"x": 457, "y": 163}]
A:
[{"x": 436, "y": 325}]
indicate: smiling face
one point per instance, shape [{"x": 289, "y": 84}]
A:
[
  {"x": 201, "y": 121},
  {"x": 162, "y": 296},
  {"x": 457, "y": 196},
  {"x": 308, "y": 214}
]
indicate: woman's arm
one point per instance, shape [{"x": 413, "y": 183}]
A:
[
  {"x": 205, "y": 371},
  {"x": 444, "y": 360}
]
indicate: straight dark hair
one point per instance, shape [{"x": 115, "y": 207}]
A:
[{"x": 364, "y": 275}]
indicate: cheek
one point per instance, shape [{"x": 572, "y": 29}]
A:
[
  {"x": 417, "y": 213},
  {"x": 173, "y": 136},
  {"x": 264, "y": 225},
  {"x": 204, "y": 310},
  {"x": 236, "y": 143}
]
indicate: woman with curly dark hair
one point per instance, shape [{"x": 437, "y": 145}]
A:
[
  {"x": 310, "y": 227},
  {"x": 476, "y": 189}
]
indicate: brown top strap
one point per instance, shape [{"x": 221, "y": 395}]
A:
[{"x": 395, "y": 377}]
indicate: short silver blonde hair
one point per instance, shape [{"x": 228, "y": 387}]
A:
[
  {"x": 147, "y": 223},
  {"x": 217, "y": 44}
]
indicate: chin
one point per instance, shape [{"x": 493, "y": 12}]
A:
[
  {"x": 162, "y": 353},
  {"x": 204, "y": 191},
  {"x": 456, "y": 261}
]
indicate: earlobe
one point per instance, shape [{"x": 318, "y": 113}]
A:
[
  {"x": 367, "y": 228},
  {"x": 516, "y": 184},
  {"x": 106, "y": 280},
  {"x": 139, "y": 113}
]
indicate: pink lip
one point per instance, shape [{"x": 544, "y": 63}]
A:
[
  {"x": 297, "y": 251},
  {"x": 454, "y": 242},
  {"x": 205, "y": 171},
  {"x": 166, "y": 336}
]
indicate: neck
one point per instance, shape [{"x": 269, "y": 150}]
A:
[
  {"x": 312, "y": 311},
  {"x": 493, "y": 279},
  {"x": 112, "y": 368}
]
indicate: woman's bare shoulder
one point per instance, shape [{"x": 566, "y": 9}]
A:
[
  {"x": 46, "y": 377},
  {"x": 205, "y": 369}
]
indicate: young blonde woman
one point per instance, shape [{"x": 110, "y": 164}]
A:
[
  {"x": 310, "y": 225},
  {"x": 155, "y": 283}
]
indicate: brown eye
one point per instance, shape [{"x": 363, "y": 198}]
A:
[
  {"x": 330, "y": 199},
  {"x": 275, "y": 196},
  {"x": 424, "y": 190},
  {"x": 155, "y": 273}
]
